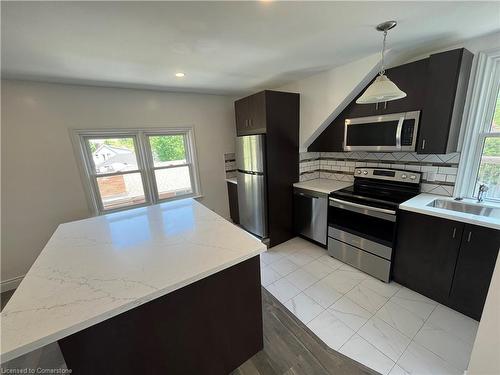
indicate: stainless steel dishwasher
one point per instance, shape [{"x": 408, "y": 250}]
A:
[{"x": 310, "y": 214}]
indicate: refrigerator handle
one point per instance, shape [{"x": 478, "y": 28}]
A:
[{"x": 251, "y": 172}]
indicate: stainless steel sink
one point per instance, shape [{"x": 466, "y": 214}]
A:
[{"x": 468, "y": 208}]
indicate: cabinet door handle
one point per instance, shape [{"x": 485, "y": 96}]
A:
[
  {"x": 469, "y": 236},
  {"x": 454, "y": 232},
  {"x": 385, "y": 105},
  {"x": 246, "y": 123},
  {"x": 376, "y": 106},
  {"x": 423, "y": 144}
]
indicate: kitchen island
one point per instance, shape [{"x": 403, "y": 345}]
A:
[{"x": 170, "y": 288}]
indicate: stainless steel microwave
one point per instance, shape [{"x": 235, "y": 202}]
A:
[{"x": 391, "y": 132}]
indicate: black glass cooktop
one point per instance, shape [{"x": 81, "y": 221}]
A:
[{"x": 378, "y": 193}]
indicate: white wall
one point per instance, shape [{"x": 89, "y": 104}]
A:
[
  {"x": 41, "y": 185},
  {"x": 324, "y": 95},
  {"x": 474, "y": 45},
  {"x": 485, "y": 358}
]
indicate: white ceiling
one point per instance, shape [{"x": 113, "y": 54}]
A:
[{"x": 223, "y": 47}]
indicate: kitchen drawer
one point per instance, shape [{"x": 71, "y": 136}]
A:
[
  {"x": 357, "y": 241},
  {"x": 371, "y": 264}
]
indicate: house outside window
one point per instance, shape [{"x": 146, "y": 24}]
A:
[{"x": 132, "y": 168}]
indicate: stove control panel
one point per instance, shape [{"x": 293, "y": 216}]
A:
[{"x": 388, "y": 174}]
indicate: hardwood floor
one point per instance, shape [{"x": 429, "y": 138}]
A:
[{"x": 290, "y": 348}]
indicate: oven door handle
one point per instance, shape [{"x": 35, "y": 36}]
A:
[{"x": 358, "y": 207}]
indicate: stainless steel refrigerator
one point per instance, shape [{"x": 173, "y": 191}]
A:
[{"x": 251, "y": 176}]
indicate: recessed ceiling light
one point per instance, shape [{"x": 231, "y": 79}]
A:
[{"x": 179, "y": 75}]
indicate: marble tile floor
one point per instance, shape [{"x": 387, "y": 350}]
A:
[
  {"x": 290, "y": 348},
  {"x": 386, "y": 327}
]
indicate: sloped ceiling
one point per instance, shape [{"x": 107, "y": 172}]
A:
[{"x": 323, "y": 96}]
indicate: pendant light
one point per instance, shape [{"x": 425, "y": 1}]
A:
[{"x": 382, "y": 89}]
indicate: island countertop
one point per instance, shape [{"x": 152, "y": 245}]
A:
[{"x": 94, "y": 269}]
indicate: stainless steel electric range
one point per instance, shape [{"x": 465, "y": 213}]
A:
[{"x": 362, "y": 218}]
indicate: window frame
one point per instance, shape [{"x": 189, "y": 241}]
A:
[
  {"x": 478, "y": 118},
  {"x": 145, "y": 164},
  {"x": 190, "y": 161}
]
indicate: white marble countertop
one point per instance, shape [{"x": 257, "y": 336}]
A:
[
  {"x": 232, "y": 180},
  {"x": 322, "y": 185},
  {"x": 419, "y": 204},
  {"x": 93, "y": 269}
]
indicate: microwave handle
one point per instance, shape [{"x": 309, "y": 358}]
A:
[{"x": 399, "y": 131}]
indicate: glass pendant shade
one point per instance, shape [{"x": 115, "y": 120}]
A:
[{"x": 381, "y": 90}]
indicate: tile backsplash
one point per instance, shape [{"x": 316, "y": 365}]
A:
[
  {"x": 438, "y": 171},
  {"x": 230, "y": 164}
]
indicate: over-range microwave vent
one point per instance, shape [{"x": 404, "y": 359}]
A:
[{"x": 385, "y": 133}]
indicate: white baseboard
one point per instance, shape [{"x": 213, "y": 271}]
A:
[{"x": 10, "y": 284}]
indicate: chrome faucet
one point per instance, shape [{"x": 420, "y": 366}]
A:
[{"x": 482, "y": 189}]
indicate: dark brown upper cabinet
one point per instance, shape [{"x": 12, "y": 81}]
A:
[
  {"x": 251, "y": 114},
  {"x": 436, "y": 86},
  {"x": 408, "y": 78},
  {"x": 447, "y": 81}
]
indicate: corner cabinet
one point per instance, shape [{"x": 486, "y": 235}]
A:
[{"x": 448, "y": 261}]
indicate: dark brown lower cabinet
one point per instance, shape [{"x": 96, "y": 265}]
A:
[
  {"x": 232, "y": 192},
  {"x": 426, "y": 253},
  {"x": 448, "y": 261},
  {"x": 475, "y": 265},
  {"x": 208, "y": 327}
]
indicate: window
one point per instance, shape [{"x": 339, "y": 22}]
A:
[
  {"x": 171, "y": 165},
  {"x": 115, "y": 172},
  {"x": 489, "y": 163},
  {"x": 131, "y": 168},
  {"x": 480, "y": 160}
]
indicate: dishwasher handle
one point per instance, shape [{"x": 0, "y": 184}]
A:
[{"x": 306, "y": 195}]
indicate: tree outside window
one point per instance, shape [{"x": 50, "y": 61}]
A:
[{"x": 489, "y": 168}]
